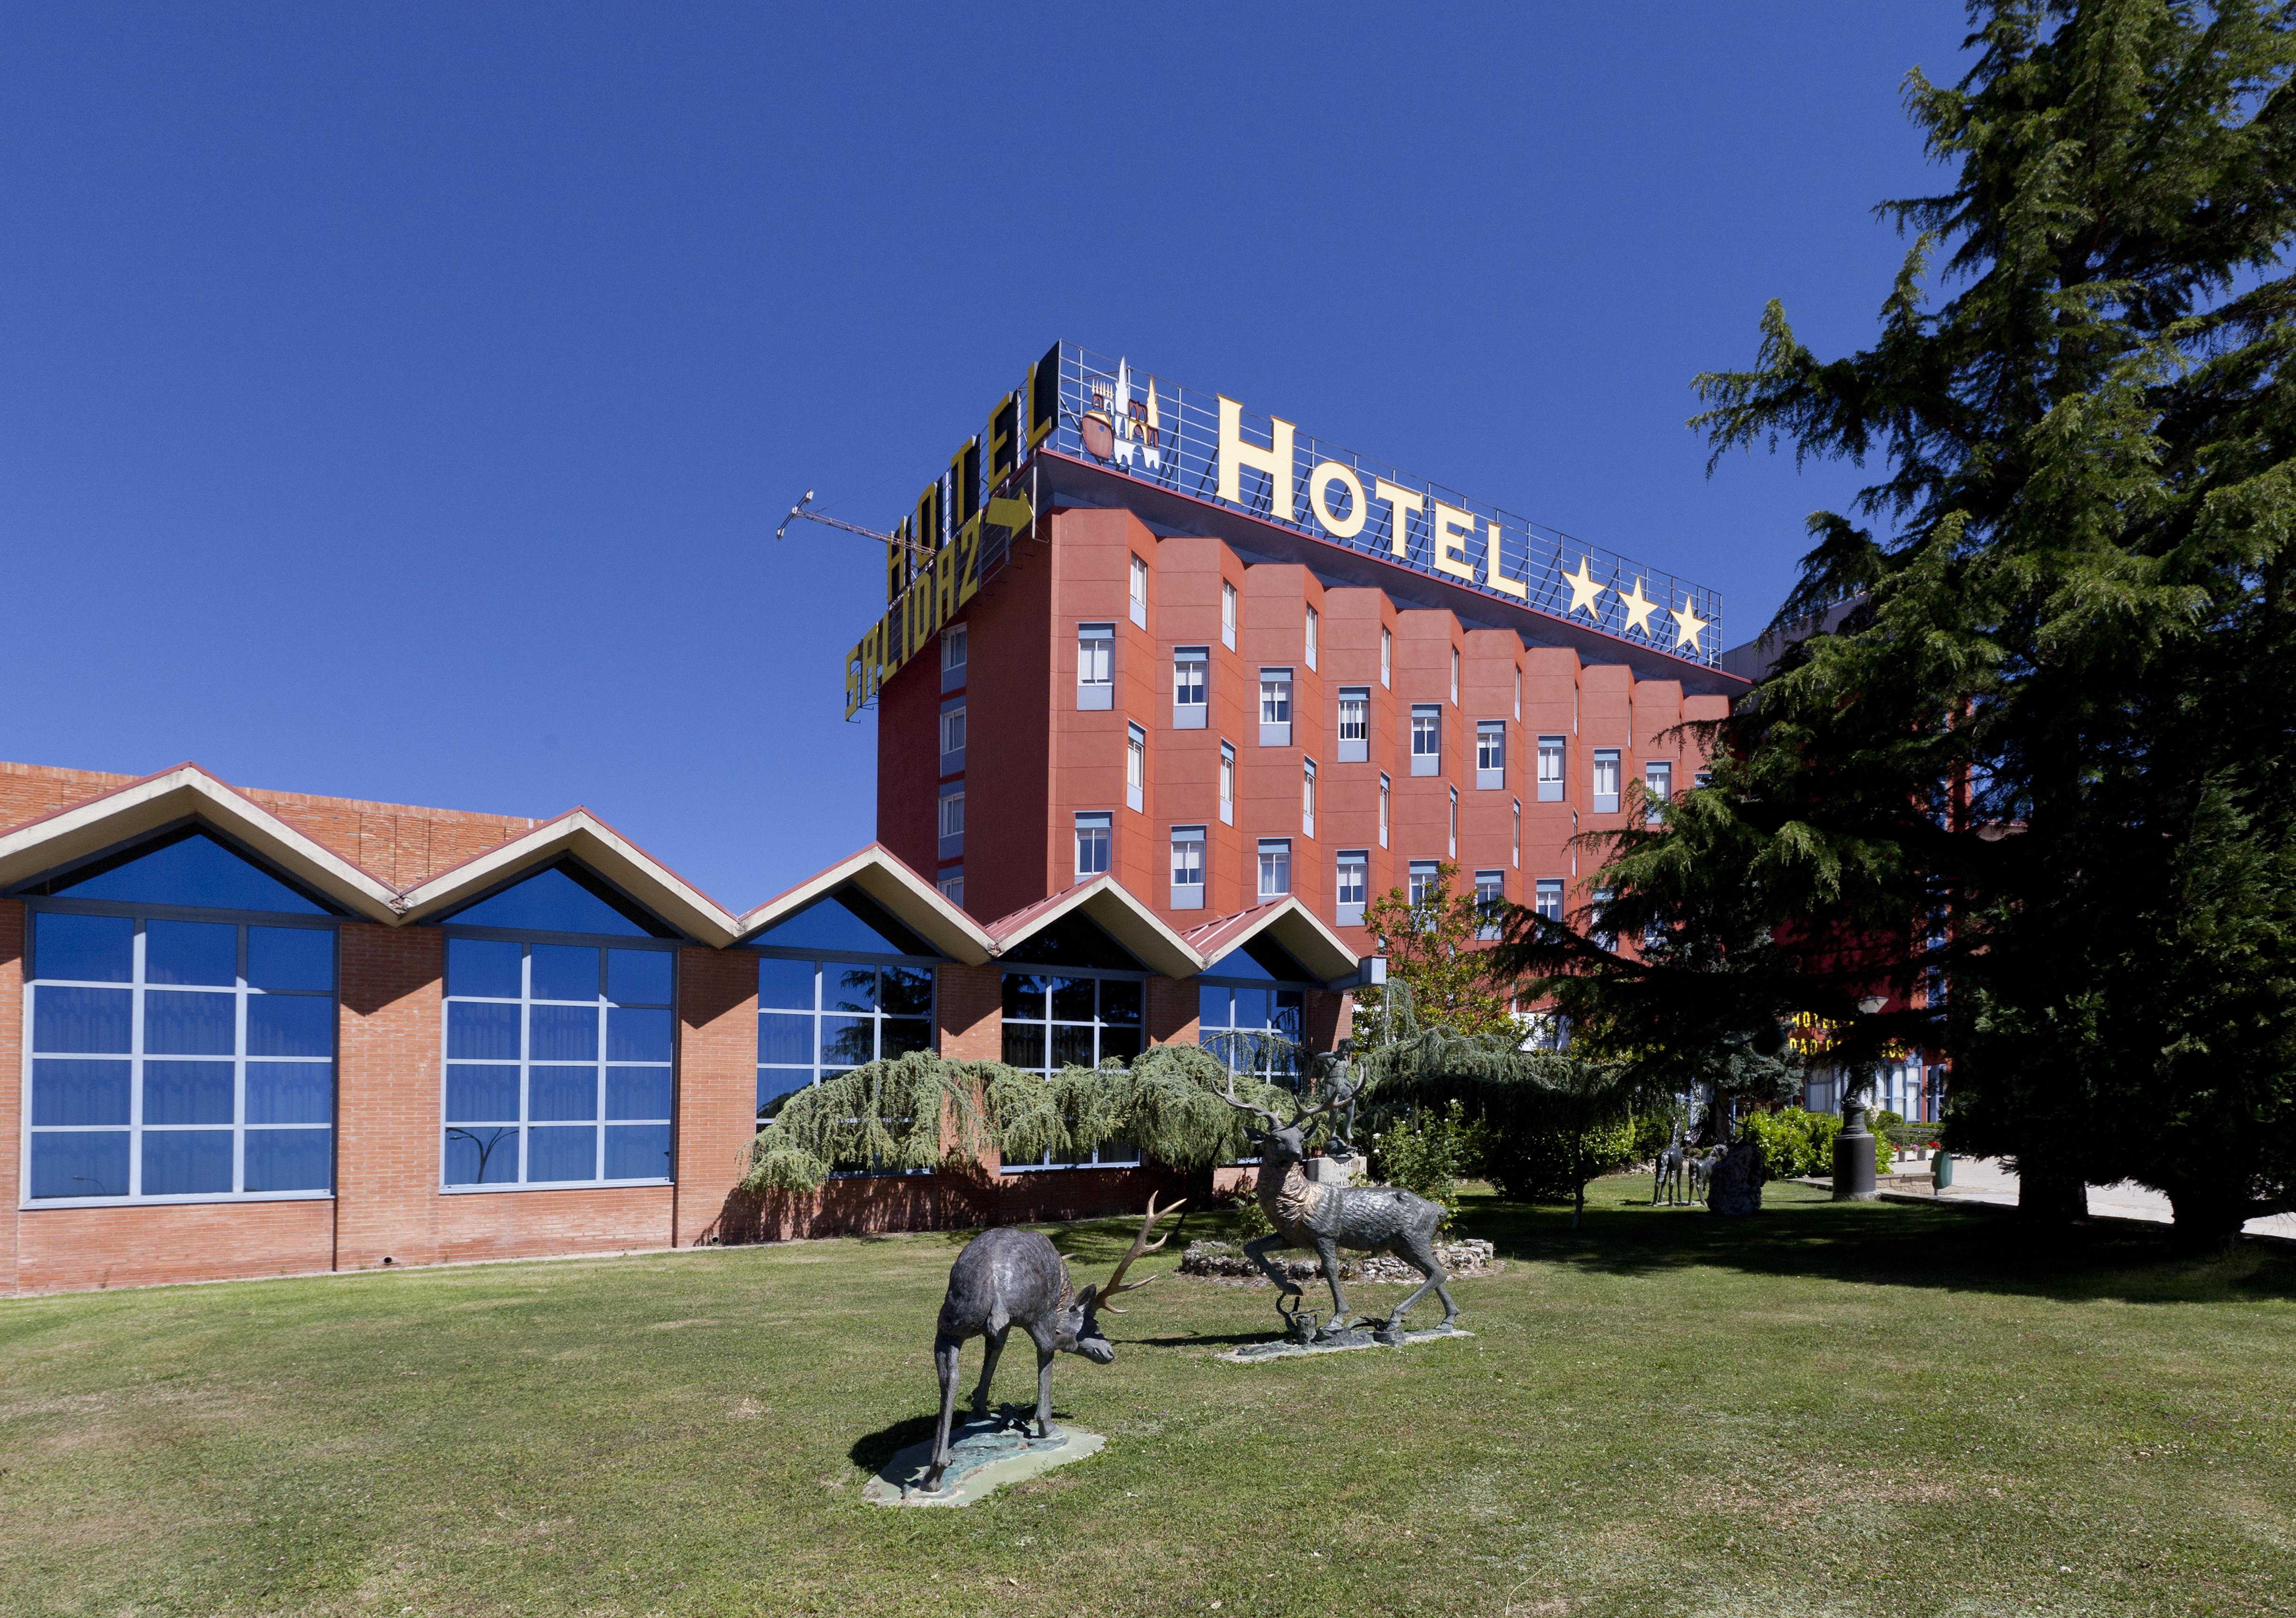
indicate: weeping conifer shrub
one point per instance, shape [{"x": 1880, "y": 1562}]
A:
[{"x": 922, "y": 1111}]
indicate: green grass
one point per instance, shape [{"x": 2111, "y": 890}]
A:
[{"x": 1837, "y": 1410}]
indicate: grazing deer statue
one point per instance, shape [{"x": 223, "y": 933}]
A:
[
  {"x": 1005, "y": 1279},
  {"x": 1701, "y": 1171},
  {"x": 1666, "y": 1173},
  {"x": 1308, "y": 1213}
]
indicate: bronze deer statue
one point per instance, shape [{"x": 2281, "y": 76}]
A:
[
  {"x": 1367, "y": 1219},
  {"x": 1007, "y": 1278}
]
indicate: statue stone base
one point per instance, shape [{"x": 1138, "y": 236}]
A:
[
  {"x": 987, "y": 1453},
  {"x": 1346, "y": 1342},
  {"x": 1734, "y": 1188}
]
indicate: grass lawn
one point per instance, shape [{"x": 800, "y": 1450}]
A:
[{"x": 1837, "y": 1410}]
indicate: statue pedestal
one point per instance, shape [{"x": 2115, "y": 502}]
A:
[
  {"x": 984, "y": 1455},
  {"x": 1333, "y": 1171},
  {"x": 1285, "y": 1348}
]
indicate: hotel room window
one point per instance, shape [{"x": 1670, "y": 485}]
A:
[
  {"x": 1518, "y": 834},
  {"x": 1386, "y": 658},
  {"x": 1606, "y": 780},
  {"x": 952, "y": 736},
  {"x": 1455, "y": 677},
  {"x": 1658, "y": 781},
  {"x": 1455, "y": 822},
  {"x": 1426, "y": 739},
  {"x": 1275, "y": 708},
  {"x": 1308, "y": 798},
  {"x": 1274, "y": 866},
  {"x": 1136, "y": 767},
  {"x": 1384, "y": 793},
  {"x": 1354, "y": 879},
  {"x": 1228, "y": 784},
  {"x": 1137, "y": 598},
  {"x": 1355, "y": 724},
  {"x": 177, "y": 1058},
  {"x": 1187, "y": 867},
  {"x": 1315, "y": 622},
  {"x": 1091, "y": 846},
  {"x": 1424, "y": 873},
  {"x": 1518, "y": 693},
  {"x": 1549, "y": 903},
  {"x": 1227, "y": 615},
  {"x": 954, "y": 651},
  {"x": 1191, "y": 688},
  {"x": 1490, "y": 903},
  {"x": 1096, "y": 666},
  {"x": 1550, "y": 769},
  {"x": 952, "y": 822},
  {"x": 1490, "y": 755},
  {"x": 951, "y": 885}
]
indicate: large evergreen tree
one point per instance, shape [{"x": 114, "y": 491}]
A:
[{"x": 2046, "y": 760}]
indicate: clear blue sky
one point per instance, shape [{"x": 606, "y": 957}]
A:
[{"x": 399, "y": 400}]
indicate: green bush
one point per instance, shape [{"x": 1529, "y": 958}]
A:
[
  {"x": 1425, "y": 1152},
  {"x": 1796, "y": 1143},
  {"x": 1535, "y": 1165},
  {"x": 1652, "y": 1130}
]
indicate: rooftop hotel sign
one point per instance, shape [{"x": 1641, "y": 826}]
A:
[{"x": 1209, "y": 448}]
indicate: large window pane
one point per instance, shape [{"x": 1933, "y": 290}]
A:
[
  {"x": 1251, "y": 1008},
  {"x": 475, "y": 1029},
  {"x": 188, "y": 1092},
  {"x": 69, "y": 1093},
  {"x": 1119, "y": 1000},
  {"x": 483, "y": 967},
  {"x": 80, "y": 1163},
  {"x": 1072, "y": 999},
  {"x": 289, "y": 1025},
  {"x": 637, "y": 1151},
  {"x": 1024, "y": 994},
  {"x": 784, "y": 1037},
  {"x": 845, "y": 986},
  {"x": 903, "y": 1035},
  {"x": 189, "y": 1024},
  {"x": 562, "y": 972},
  {"x": 291, "y": 957},
  {"x": 562, "y": 1153},
  {"x": 1212, "y": 1005},
  {"x": 482, "y": 1156},
  {"x": 481, "y": 1094},
  {"x": 561, "y": 1093},
  {"x": 638, "y": 977},
  {"x": 1071, "y": 1046},
  {"x": 91, "y": 948},
  {"x": 290, "y": 1092},
  {"x": 847, "y": 1041},
  {"x": 562, "y": 1033},
  {"x": 637, "y": 1092},
  {"x": 1024, "y": 1044},
  {"x": 82, "y": 1019},
  {"x": 191, "y": 952},
  {"x": 289, "y": 1160},
  {"x": 775, "y": 1083},
  {"x": 785, "y": 985},
  {"x": 638, "y": 1035},
  {"x": 186, "y": 1163},
  {"x": 906, "y": 990},
  {"x": 1123, "y": 1042}
]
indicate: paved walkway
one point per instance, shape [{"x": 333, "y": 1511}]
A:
[{"x": 1987, "y": 1180}]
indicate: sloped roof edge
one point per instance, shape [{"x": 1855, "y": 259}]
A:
[
  {"x": 1118, "y": 913},
  {"x": 911, "y": 900},
  {"x": 188, "y": 792},
  {"x": 1290, "y": 924},
  {"x": 602, "y": 849}
]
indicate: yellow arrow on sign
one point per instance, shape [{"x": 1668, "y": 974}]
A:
[{"x": 1013, "y": 515}]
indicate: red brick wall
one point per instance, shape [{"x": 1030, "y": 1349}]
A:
[
  {"x": 63, "y": 1249},
  {"x": 387, "y": 1141},
  {"x": 716, "y": 1083},
  {"x": 970, "y": 1006}
]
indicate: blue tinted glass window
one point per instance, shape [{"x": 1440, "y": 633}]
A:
[
  {"x": 637, "y": 1092},
  {"x": 637, "y": 1151},
  {"x": 291, "y": 957},
  {"x": 637, "y": 1034},
  {"x": 191, "y": 952},
  {"x": 195, "y": 873},
  {"x": 188, "y": 1092},
  {"x": 290, "y": 1092},
  {"x": 289, "y": 1025},
  {"x": 775, "y": 1084},
  {"x": 1251, "y": 1008},
  {"x": 478, "y": 1029},
  {"x": 551, "y": 901},
  {"x": 482, "y": 1156},
  {"x": 80, "y": 1093},
  {"x": 481, "y": 1094},
  {"x": 906, "y": 992},
  {"x": 785, "y": 1039},
  {"x": 79, "y": 1163},
  {"x": 638, "y": 977},
  {"x": 483, "y": 966},
  {"x": 785, "y": 985},
  {"x": 562, "y": 1033},
  {"x": 90, "y": 948},
  {"x": 561, "y": 1094},
  {"x": 558, "y": 1153},
  {"x": 186, "y": 1163},
  {"x": 289, "y": 1160},
  {"x": 1211, "y": 1005},
  {"x": 834, "y": 924},
  {"x": 847, "y": 1041},
  {"x": 82, "y": 1019},
  {"x": 848, "y": 987},
  {"x": 189, "y": 1023},
  {"x": 563, "y": 972}
]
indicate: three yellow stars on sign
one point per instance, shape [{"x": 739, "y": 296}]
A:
[{"x": 1585, "y": 591}]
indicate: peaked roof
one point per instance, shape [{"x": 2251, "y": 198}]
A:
[
  {"x": 173, "y": 796},
  {"x": 1290, "y": 924},
  {"x": 597, "y": 845},
  {"x": 907, "y": 897},
  {"x": 1118, "y": 913}
]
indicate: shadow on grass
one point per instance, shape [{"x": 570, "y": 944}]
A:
[
  {"x": 874, "y": 1451},
  {"x": 1884, "y": 1244}
]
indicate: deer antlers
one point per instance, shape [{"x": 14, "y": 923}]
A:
[
  {"x": 1340, "y": 1096},
  {"x": 1140, "y": 1244}
]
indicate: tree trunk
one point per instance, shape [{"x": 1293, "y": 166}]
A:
[
  {"x": 1578, "y": 1179},
  {"x": 2209, "y": 1217},
  {"x": 2050, "y": 1191}
]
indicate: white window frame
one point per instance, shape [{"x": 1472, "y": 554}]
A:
[
  {"x": 1386, "y": 794},
  {"x": 1227, "y": 783},
  {"x": 950, "y": 821},
  {"x": 1307, "y": 797},
  {"x": 1189, "y": 854},
  {"x": 1095, "y": 828},
  {"x": 1355, "y": 724},
  {"x": 1354, "y": 862},
  {"x": 1386, "y": 658},
  {"x": 1490, "y": 755},
  {"x": 1554, "y": 753},
  {"x": 1228, "y": 614},
  {"x": 1658, "y": 782},
  {"x": 1276, "y": 692},
  {"x": 952, "y": 735},
  {"x": 1310, "y": 636},
  {"x": 1426, "y": 739},
  {"x": 1455, "y": 822},
  {"x": 1455, "y": 677},
  {"x": 955, "y": 650},
  {"x": 1096, "y": 666},
  {"x": 1136, "y": 592},
  {"x": 1274, "y": 859},
  {"x": 1606, "y": 766},
  {"x": 1192, "y": 675},
  {"x": 1136, "y": 767}
]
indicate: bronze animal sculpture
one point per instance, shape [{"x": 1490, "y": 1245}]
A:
[
  {"x": 1307, "y": 1213},
  {"x": 1666, "y": 1173},
  {"x": 1007, "y": 1278},
  {"x": 1703, "y": 1165}
]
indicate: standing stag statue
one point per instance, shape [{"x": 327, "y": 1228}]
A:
[
  {"x": 1666, "y": 1173},
  {"x": 1308, "y": 1213},
  {"x": 1005, "y": 1279}
]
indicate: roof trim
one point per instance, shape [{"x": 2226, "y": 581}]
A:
[
  {"x": 188, "y": 792},
  {"x": 604, "y": 851},
  {"x": 910, "y": 900},
  {"x": 1119, "y": 915},
  {"x": 1291, "y": 925}
]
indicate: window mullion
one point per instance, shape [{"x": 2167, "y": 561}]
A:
[
  {"x": 135, "y": 1069},
  {"x": 239, "y": 1072}
]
